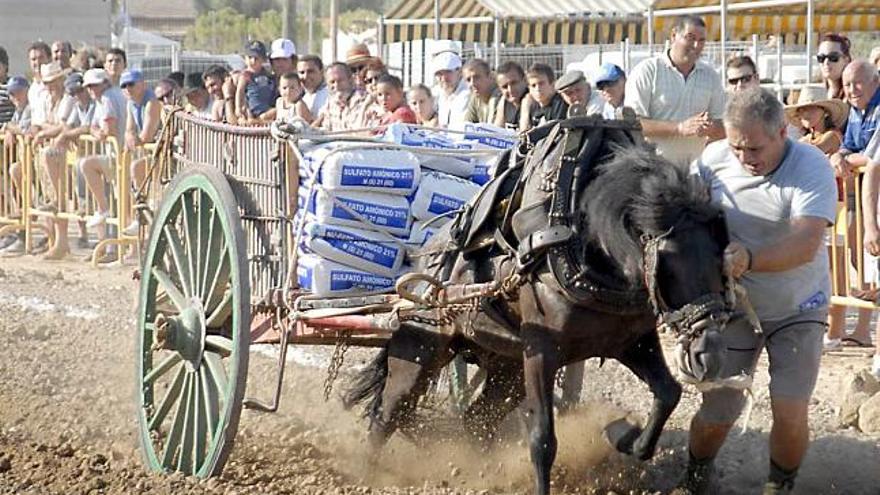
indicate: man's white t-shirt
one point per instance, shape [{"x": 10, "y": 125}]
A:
[{"x": 451, "y": 109}]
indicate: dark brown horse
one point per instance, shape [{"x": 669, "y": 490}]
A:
[{"x": 647, "y": 230}]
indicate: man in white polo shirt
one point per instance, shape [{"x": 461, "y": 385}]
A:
[
  {"x": 679, "y": 98},
  {"x": 452, "y": 91}
]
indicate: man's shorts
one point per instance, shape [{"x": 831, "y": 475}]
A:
[{"x": 794, "y": 349}]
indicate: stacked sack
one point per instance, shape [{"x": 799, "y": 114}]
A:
[{"x": 362, "y": 208}]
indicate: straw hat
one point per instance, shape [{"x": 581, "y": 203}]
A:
[
  {"x": 817, "y": 96},
  {"x": 358, "y": 53}
]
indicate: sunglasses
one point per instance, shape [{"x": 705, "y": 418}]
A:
[
  {"x": 736, "y": 81},
  {"x": 832, "y": 57}
]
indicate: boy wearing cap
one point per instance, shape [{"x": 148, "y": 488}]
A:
[
  {"x": 198, "y": 101},
  {"x": 452, "y": 92},
  {"x": 256, "y": 91},
  {"x": 143, "y": 113},
  {"x": 610, "y": 81},
  {"x": 282, "y": 57},
  {"x": 17, "y": 87}
]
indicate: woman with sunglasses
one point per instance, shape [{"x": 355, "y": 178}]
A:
[{"x": 833, "y": 56}]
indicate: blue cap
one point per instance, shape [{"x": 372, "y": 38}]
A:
[
  {"x": 131, "y": 76},
  {"x": 607, "y": 72},
  {"x": 256, "y": 48},
  {"x": 73, "y": 82},
  {"x": 16, "y": 83}
]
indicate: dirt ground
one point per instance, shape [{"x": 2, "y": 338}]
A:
[{"x": 67, "y": 422}]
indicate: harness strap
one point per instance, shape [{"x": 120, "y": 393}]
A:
[{"x": 538, "y": 242}]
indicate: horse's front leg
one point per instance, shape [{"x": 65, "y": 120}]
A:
[
  {"x": 645, "y": 359},
  {"x": 541, "y": 361}
]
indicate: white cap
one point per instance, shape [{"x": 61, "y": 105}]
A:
[
  {"x": 445, "y": 60},
  {"x": 95, "y": 76},
  {"x": 282, "y": 48}
]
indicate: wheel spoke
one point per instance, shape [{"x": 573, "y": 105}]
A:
[
  {"x": 199, "y": 426},
  {"x": 190, "y": 226},
  {"x": 163, "y": 367},
  {"x": 177, "y": 297},
  {"x": 219, "y": 344},
  {"x": 217, "y": 373},
  {"x": 212, "y": 403},
  {"x": 172, "y": 443},
  {"x": 219, "y": 280},
  {"x": 223, "y": 310},
  {"x": 211, "y": 260},
  {"x": 168, "y": 400},
  {"x": 184, "y": 462},
  {"x": 180, "y": 259},
  {"x": 206, "y": 218}
]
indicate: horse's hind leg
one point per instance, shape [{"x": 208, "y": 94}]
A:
[
  {"x": 414, "y": 356},
  {"x": 502, "y": 392},
  {"x": 645, "y": 359}
]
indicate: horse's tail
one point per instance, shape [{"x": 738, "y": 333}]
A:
[{"x": 369, "y": 385}]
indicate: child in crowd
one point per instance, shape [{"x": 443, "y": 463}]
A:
[
  {"x": 256, "y": 87},
  {"x": 422, "y": 102},
  {"x": 820, "y": 118},
  {"x": 389, "y": 93},
  {"x": 290, "y": 105},
  {"x": 17, "y": 87}
]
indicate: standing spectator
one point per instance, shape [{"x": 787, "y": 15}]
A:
[
  {"x": 511, "y": 79},
  {"x": 19, "y": 124},
  {"x": 344, "y": 107},
  {"x": 389, "y": 93},
  {"x": 779, "y": 198},
  {"x": 290, "y": 105},
  {"x": 421, "y": 101},
  {"x": 213, "y": 79},
  {"x": 576, "y": 92},
  {"x": 108, "y": 120},
  {"x": 679, "y": 98},
  {"x": 77, "y": 124},
  {"x": 484, "y": 97},
  {"x": 167, "y": 92},
  {"x": 62, "y": 51},
  {"x": 256, "y": 90},
  {"x": 741, "y": 73},
  {"x": 543, "y": 103},
  {"x": 311, "y": 75},
  {"x": 357, "y": 59},
  {"x": 861, "y": 83},
  {"x": 282, "y": 57},
  {"x": 452, "y": 92},
  {"x": 143, "y": 114},
  {"x": 115, "y": 63},
  {"x": 7, "y": 108},
  {"x": 199, "y": 101},
  {"x": 38, "y": 55},
  {"x": 833, "y": 56},
  {"x": 610, "y": 81}
]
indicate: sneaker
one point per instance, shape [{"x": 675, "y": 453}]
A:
[
  {"x": 14, "y": 249},
  {"x": 831, "y": 344},
  {"x": 97, "y": 219},
  {"x": 48, "y": 207},
  {"x": 7, "y": 241},
  {"x": 773, "y": 488},
  {"x": 82, "y": 243},
  {"x": 40, "y": 245},
  {"x": 875, "y": 368},
  {"x": 132, "y": 229}
]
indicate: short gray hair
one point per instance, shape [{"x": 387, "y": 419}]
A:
[{"x": 754, "y": 105}]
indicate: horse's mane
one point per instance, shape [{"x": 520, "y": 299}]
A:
[{"x": 637, "y": 192}]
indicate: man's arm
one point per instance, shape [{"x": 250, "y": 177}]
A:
[
  {"x": 797, "y": 248},
  {"x": 870, "y": 188},
  {"x": 153, "y": 114}
]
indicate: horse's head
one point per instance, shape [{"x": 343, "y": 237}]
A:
[
  {"x": 683, "y": 273},
  {"x": 656, "y": 221}
]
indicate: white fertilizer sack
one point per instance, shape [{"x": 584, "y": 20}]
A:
[
  {"x": 378, "y": 170},
  {"x": 368, "y": 251},
  {"x": 325, "y": 278},
  {"x": 485, "y": 134},
  {"x": 387, "y": 211},
  {"x": 460, "y": 165},
  {"x": 423, "y": 230},
  {"x": 441, "y": 193}
]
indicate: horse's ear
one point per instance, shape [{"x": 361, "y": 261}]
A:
[{"x": 718, "y": 226}]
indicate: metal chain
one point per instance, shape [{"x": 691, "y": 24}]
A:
[{"x": 335, "y": 363}]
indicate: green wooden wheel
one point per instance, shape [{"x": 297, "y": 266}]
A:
[{"x": 193, "y": 327}]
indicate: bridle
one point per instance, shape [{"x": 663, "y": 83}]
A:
[{"x": 710, "y": 307}]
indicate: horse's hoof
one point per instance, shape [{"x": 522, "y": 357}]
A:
[{"x": 621, "y": 434}]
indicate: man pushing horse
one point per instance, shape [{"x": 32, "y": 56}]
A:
[{"x": 779, "y": 197}]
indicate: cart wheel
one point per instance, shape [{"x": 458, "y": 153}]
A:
[{"x": 193, "y": 327}]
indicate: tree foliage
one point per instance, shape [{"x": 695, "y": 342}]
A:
[
  {"x": 227, "y": 30},
  {"x": 358, "y": 20},
  {"x": 250, "y": 8}
]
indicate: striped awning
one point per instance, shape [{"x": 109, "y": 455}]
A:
[{"x": 535, "y": 22}]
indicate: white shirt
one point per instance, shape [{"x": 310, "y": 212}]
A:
[
  {"x": 451, "y": 109},
  {"x": 316, "y": 101},
  {"x": 658, "y": 91},
  {"x": 37, "y": 94}
]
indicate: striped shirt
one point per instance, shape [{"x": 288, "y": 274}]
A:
[
  {"x": 7, "y": 108},
  {"x": 656, "y": 90}
]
